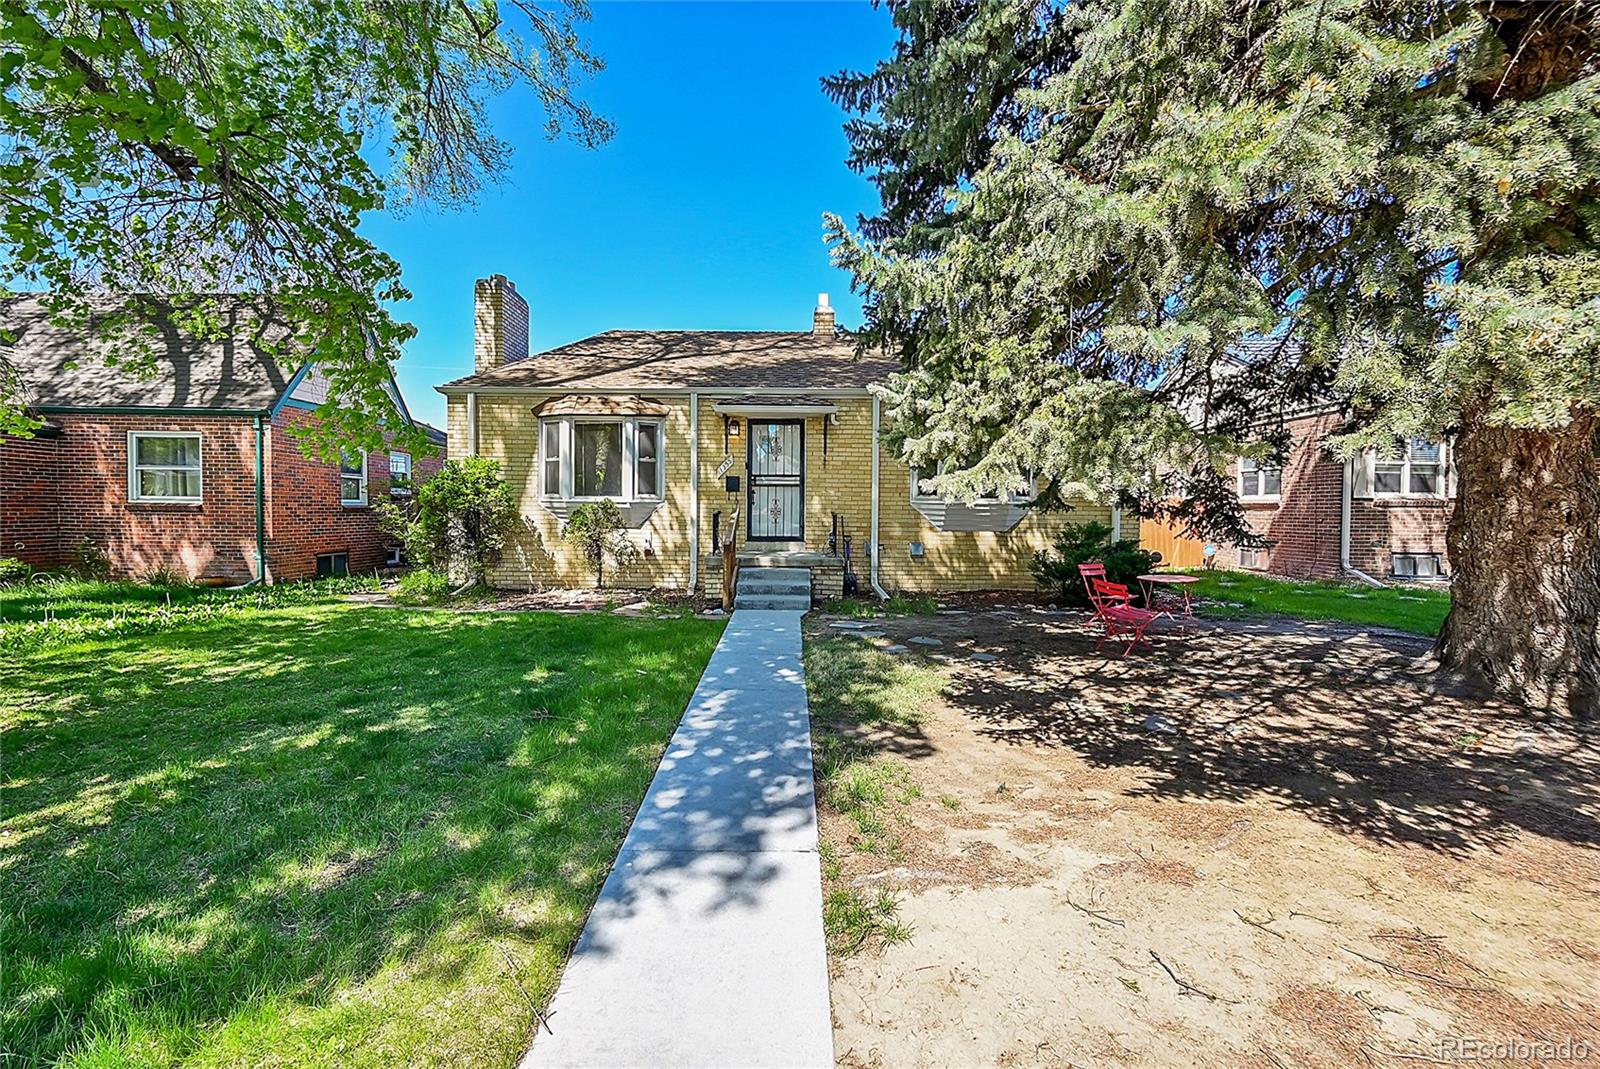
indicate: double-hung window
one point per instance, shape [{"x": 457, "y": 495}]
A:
[
  {"x": 1258, "y": 480},
  {"x": 352, "y": 477},
  {"x": 1418, "y": 470},
  {"x": 400, "y": 473},
  {"x": 585, "y": 458},
  {"x": 164, "y": 466}
]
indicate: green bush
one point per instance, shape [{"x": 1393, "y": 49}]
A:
[
  {"x": 464, "y": 516},
  {"x": 13, "y": 570},
  {"x": 596, "y": 528},
  {"x": 1056, "y": 569}
]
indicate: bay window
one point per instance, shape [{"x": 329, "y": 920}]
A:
[
  {"x": 588, "y": 458},
  {"x": 164, "y": 466}
]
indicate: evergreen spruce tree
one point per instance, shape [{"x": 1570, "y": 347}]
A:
[{"x": 1085, "y": 204}]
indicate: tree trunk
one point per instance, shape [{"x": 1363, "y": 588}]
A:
[{"x": 1525, "y": 549}]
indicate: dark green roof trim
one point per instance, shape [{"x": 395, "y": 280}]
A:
[{"x": 141, "y": 410}]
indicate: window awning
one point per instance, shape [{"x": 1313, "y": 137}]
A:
[
  {"x": 579, "y": 405},
  {"x": 775, "y": 406}
]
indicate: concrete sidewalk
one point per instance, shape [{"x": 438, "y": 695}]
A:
[{"x": 705, "y": 947}]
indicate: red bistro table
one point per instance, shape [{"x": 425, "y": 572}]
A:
[{"x": 1182, "y": 583}]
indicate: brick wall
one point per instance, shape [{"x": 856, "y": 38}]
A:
[
  {"x": 29, "y": 503},
  {"x": 57, "y": 494},
  {"x": 86, "y": 497},
  {"x": 305, "y": 517},
  {"x": 1303, "y": 522},
  {"x": 838, "y": 480}
]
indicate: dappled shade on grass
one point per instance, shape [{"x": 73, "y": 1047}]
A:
[{"x": 324, "y": 835}]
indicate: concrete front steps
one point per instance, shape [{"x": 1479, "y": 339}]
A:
[{"x": 773, "y": 588}]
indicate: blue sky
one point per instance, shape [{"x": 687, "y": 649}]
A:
[{"x": 704, "y": 211}]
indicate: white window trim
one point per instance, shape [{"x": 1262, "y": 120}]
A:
[
  {"x": 403, "y": 489},
  {"x": 1405, "y": 490},
  {"x": 630, "y": 449},
  {"x": 350, "y": 502},
  {"x": 134, "y": 467},
  {"x": 1261, "y": 558},
  {"x": 1261, "y": 470}
]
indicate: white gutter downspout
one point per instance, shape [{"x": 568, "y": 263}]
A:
[
  {"x": 1116, "y": 523},
  {"x": 873, "y": 548},
  {"x": 472, "y": 424},
  {"x": 1344, "y": 528},
  {"x": 694, "y": 492}
]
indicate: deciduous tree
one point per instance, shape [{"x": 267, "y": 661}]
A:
[{"x": 202, "y": 146}]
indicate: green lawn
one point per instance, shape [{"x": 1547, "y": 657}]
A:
[
  {"x": 321, "y": 834},
  {"x": 67, "y": 598},
  {"x": 1235, "y": 595}
]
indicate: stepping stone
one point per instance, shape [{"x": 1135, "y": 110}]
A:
[
  {"x": 963, "y": 612},
  {"x": 851, "y": 625},
  {"x": 896, "y": 648},
  {"x": 923, "y": 640},
  {"x": 868, "y": 635},
  {"x": 984, "y": 658},
  {"x": 1157, "y": 724}
]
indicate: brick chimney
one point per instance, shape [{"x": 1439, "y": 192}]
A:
[
  {"x": 500, "y": 324},
  {"x": 822, "y": 318}
]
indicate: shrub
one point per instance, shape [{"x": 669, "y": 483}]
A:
[
  {"x": 596, "y": 528},
  {"x": 89, "y": 561},
  {"x": 1056, "y": 569},
  {"x": 464, "y": 515},
  {"x": 13, "y": 570}
]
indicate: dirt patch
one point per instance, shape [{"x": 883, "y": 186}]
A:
[{"x": 1264, "y": 844}]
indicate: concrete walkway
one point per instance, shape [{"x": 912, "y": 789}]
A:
[{"x": 705, "y": 946}]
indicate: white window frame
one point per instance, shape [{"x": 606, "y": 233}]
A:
[
  {"x": 1009, "y": 498},
  {"x": 1258, "y": 557},
  {"x": 351, "y": 502},
  {"x": 631, "y": 492},
  {"x": 134, "y": 468},
  {"x": 402, "y": 488},
  {"x": 1260, "y": 471},
  {"x": 1404, "y": 464}
]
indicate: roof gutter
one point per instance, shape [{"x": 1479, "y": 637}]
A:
[
  {"x": 150, "y": 410},
  {"x": 562, "y": 389}
]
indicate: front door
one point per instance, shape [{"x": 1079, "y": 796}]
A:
[{"x": 776, "y": 466}]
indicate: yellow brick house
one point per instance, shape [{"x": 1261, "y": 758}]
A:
[{"x": 685, "y": 429}]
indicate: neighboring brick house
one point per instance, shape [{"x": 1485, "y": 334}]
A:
[
  {"x": 1382, "y": 517},
  {"x": 683, "y": 428},
  {"x": 190, "y": 472}
]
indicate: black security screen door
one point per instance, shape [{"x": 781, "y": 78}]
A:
[{"x": 777, "y": 464}]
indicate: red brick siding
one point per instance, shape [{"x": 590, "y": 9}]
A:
[
  {"x": 29, "y": 507},
  {"x": 305, "y": 516},
  {"x": 58, "y": 493},
  {"x": 88, "y": 496},
  {"x": 1380, "y": 528},
  {"x": 1304, "y": 522}
]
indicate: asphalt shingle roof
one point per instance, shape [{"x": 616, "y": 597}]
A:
[
  {"x": 693, "y": 359},
  {"x": 62, "y": 368}
]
